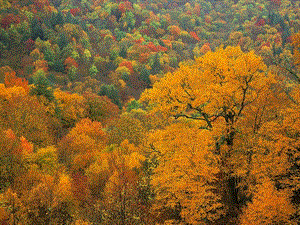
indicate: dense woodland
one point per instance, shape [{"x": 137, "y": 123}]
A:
[{"x": 149, "y": 112}]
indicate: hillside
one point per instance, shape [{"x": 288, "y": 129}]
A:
[{"x": 149, "y": 112}]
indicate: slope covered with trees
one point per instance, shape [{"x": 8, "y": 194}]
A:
[{"x": 149, "y": 112}]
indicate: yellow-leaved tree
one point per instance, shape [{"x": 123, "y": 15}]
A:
[
  {"x": 79, "y": 146},
  {"x": 25, "y": 115},
  {"x": 269, "y": 206},
  {"x": 121, "y": 203},
  {"x": 234, "y": 102},
  {"x": 185, "y": 178}
]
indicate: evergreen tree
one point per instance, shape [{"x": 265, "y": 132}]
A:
[
  {"x": 57, "y": 66},
  {"x": 155, "y": 66},
  {"x": 4, "y": 40},
  {"x": 112, "y": 92},
  {"x": 93, "y": 71},
  {"x": 144, "y": 75},
  {"x": 59, "y": 18},
  {"x": 36, "y": 30},
  {"x": 56, "y": 3},
  {"x": 71, "y": 19},
  {"x": 62, "y": 41},
  {"x": 123, "y": 52}
]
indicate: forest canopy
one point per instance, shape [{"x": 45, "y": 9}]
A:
[{"x": 149, "y": 112}]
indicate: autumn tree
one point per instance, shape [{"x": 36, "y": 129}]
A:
[
  {"x": 216, "y": 92},
  {"x": 71, "y": 107},
  {"x": 5, "y": 4},
  {"x": 78, "y": 151},
  {"x": 232, "y": 80},
  {"x": 12, "y": 161},
  {"x": 184, "y": 180},
  {"x": 79, "y": 146},
  {"x": 25, "y": 115},
  {"x": 31, "y": 196},
  {"x": 281, "y": 134},
  {"x": 269, "y": 206},
  {"x": 100, "y": 108},
  {"x": 122, "y": 204},
  {"x": 41, "y": 199},
  {"x": 126, "y": 127},
  {"x": 12, "y": 80}
]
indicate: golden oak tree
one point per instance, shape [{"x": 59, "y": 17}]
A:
[
  {"x": 269, "y": 206},
  {"x": 121, "y": 201},
  {"x": 215, "y": 90},
  {"x": 71, "y": 106},
  {"x": 229, "y": 94},
  {"x": 126, "y": 127},
  {"x": 272, "y": 143},
  {"x": 25, "y": 115},
  {"x": 79, "y": 146},
  {"x": 218, "y": 85},
  {"x": 283, "y": 138},
  {"x": 186, "y": 175}
]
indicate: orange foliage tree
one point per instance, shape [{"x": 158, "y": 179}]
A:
[
  {"x": 25, "y": 115},
  {"x": 185, "y": 177},
  {"x": 12, "y": 80},
  {"x": 71, "y": 106},
  {"x": 269, "y": 206},
  {"x": 121, "y": 203},
  {"x": 69, "y": 62},
  {"x": 229, "y": 94},
  {"x": 12, "y": 152},
  {"x": 79, "y": 146}
]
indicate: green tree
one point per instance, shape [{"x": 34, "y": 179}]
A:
[
  {"x": 62, "y": 41},
  {"x": 155, "y": 64},
  {"x": 36, "y": 30},
  {"x": 144, "y": 75},
  {"x": 41, "y": 85},
  {"x": 93, "y": 71},
  {"x": 111, "y": 92}
]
